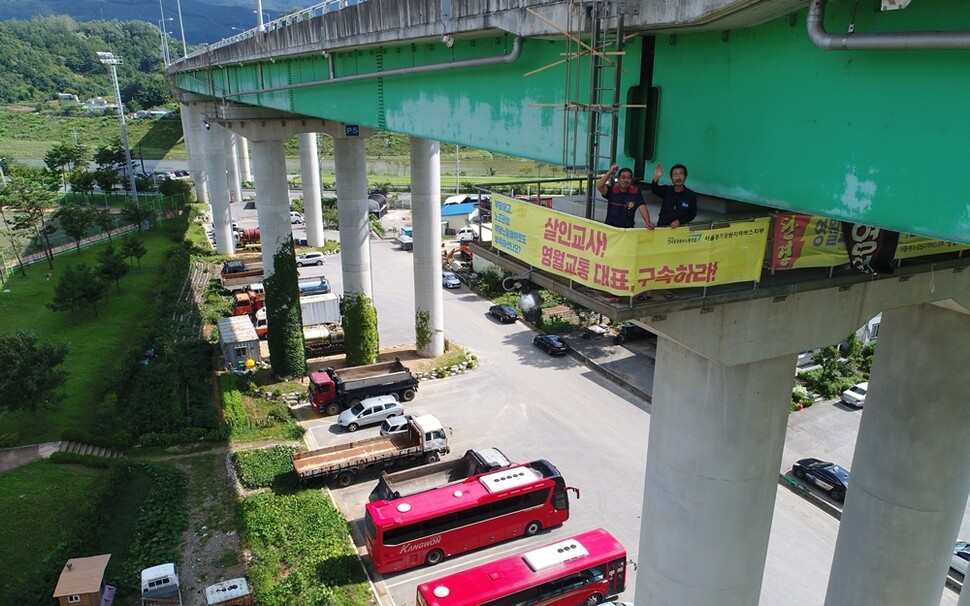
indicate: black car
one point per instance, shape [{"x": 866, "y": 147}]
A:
[
  {"x": 553, "y": 344},
  {"x": 827, "y": 476},
  {"x": 505, "y": 313},
  {"x": 628, "y": 331}
]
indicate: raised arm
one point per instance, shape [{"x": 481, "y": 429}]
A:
[{"x": 602, "y": 181}]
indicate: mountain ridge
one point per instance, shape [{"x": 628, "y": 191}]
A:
[{"x": 205, "y": 22}]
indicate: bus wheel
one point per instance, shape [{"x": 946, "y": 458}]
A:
[
  {"x": 532, "y": 528},
  {"x": 333, "y": 408},
  {"x": 593, "y": 600},
  {"x": 345, "y": 479},
  {"x": 434, "y": 557}
]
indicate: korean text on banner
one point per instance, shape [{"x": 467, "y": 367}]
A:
[{"x": 628, "y": 261}]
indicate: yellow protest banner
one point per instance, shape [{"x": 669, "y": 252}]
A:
[{"x": 628, "y": 261}]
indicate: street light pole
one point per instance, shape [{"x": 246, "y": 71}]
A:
[
  {"x": 178, "y": 3},
  {"x": 259, "y": 11},
  {"x": 110, "y": 60}
]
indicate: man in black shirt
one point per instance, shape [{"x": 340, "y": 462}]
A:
[
  {"x": 678, "y": 203},
  {"x": 623, "y": 199}
]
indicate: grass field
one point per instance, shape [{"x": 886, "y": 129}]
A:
[{"x": 96, "y": 342}]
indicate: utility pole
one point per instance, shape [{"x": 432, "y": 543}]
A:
[{"x": 110, "y": 60}]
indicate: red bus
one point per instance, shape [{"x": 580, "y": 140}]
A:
[
  {"x": 584, "y": 569},
  {"x": 483, "y": 509}
]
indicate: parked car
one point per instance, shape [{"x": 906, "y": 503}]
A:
[
  {"x": 827, "y": 476},
  {"x": 554, "y": 345},
  {"x": 309, "y": 258},
  {"x": 505, "y": 313},
  {"x": 370, "y": 411},
  {"x": 297, "y": 218},
  {"x": 961, "y": 555},
  {"x": 396, "y": 424},
  {"x": 628, "y": 331},
  {"x": 450, "y": 280},
  {"x": 856, "y": 395}
]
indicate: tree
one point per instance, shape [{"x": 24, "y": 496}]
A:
[
  {"x": 136, "y": 214},
  {"x": 106, "y": 178},
  {"x": 29, "y": 376},
  {"x": 65, "y": 156},
  {"x": 31, "y": 192},
  {"x": 112, "y": 266},
  {"x": 90, "y": 287},
  {"x": 75, "y": 220},
  {"x": 133, "y": 247},
  {"x": 67, "y": 292},
  {"x": 82, "y": 181},
  {"x": 105, "y": 222}
]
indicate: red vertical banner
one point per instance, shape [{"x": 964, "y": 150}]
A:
[{"x": 787, "y": 239}]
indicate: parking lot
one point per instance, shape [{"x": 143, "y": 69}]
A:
[{"x": 531, "y": 405}]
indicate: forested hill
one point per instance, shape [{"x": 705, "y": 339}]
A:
[
  {"x": 46, "y": 56},
  {"x": 205, "y": 21}
]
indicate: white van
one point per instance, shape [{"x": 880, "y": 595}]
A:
[
  {"x": 469, "y": 233},
  {"x": 296, "y": 217}
]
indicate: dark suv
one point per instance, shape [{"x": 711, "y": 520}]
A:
[{"x": 629, "y": 331}]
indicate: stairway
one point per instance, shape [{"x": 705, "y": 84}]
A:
[{"x": 87, "y": 449}]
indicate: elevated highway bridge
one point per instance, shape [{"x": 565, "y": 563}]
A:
[{"x": 793, "y": 118}]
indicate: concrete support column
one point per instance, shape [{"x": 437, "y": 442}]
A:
[
  {"x": 242, "y": 155},
  {"x": 310, "y": 170},
  {"x": 717, "y": 435},
  {"x": 350, "y": 166},
  {"x": 272, "y": 199},
  {"x": 909, "y": 483},
  {"x": 426, "y": 221},
  {"x": 193, "y": 130},
  {"x": 215, "y": 163},
  {"x": 232, "y": 165}
]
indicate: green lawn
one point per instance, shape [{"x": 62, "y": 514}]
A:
[
  {"x": 34, "y": 499},
  {"x": 96, "y": 342}
]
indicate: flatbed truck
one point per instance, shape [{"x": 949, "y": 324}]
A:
[{"x": 426, "y": 441}]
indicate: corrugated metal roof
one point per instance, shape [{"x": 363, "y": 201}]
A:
[{"x": 236, "y": 329}]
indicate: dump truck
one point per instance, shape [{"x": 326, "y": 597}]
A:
[
  {"x": 426, "y": 441},
  {"x": 333, "y": 390},
  {"x": 247, "y": 302},
  {"x": 405, "y": 483}
]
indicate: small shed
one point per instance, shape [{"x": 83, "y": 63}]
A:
[
  {"x": 457, "y": 215},
  {"x": 82, "y": 582},
  {"x": 238, "y": 341}
]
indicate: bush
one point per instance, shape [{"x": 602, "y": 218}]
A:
[{"x": 264, "y": 468}]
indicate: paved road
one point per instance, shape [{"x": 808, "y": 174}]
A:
[{"x": 534, "y": 406}]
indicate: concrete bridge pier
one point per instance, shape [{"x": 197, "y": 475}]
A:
[
  {"x": 717, "y": 434},
  {"x": 272, "y": 199},
  {"x": 313, "y": 208},
  {"x": 909, "y": 485},
  {"x": 350, "y": 164},
  {"x": 242, "y": 158},
  {"x": 192, "y": 130},
  {"x": 426, "y": 221},
  {"x": 215, "y": 162},
  {"x": 232, "y": 166}
]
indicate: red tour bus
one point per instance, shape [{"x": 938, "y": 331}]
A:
[
  {"x": 584, "y": 569},
  {"x": 483, "y": 509}
]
